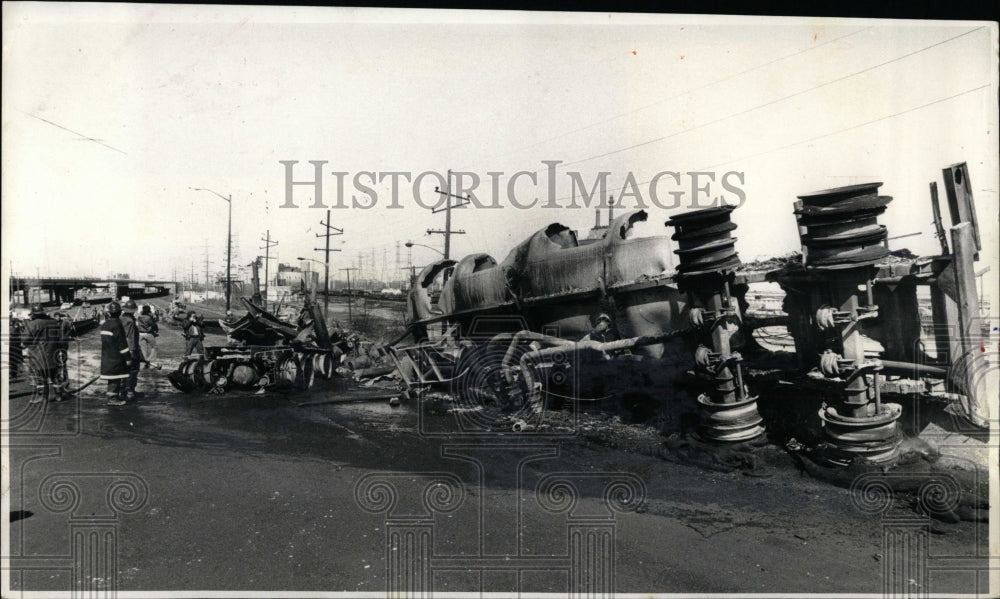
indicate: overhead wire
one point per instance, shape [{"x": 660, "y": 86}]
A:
[
  {"x": 818, "y": 137},
  {"x": 681, "y": 94},
  {"x": 774, "y": 101}
]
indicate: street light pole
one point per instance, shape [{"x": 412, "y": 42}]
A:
[
  {"x": 410, "y": 244},
  {"x": 229, "y": 244}
]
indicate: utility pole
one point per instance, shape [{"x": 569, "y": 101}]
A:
[
  {"x": 268, "y": 244},
  {"x": 229, "y": 255},
  {"x": 350, "y": 316},
  {"x": 233, "y": 257},
  {"x": 447, "y": 232},
  {"x": 255, "y": 279},
  {"x": 385, "y": 259},
  {"x": 412, "y": 271},
  {"x": 327, "y": 250},
  {"x": 207, "y": 280}
]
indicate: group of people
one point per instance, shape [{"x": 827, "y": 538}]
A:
[{"x": 128, "y": 344}]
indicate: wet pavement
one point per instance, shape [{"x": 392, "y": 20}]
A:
[{"x": 255, "y": 492}]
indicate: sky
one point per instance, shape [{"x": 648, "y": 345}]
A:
[{"x": 113, "y": 113}]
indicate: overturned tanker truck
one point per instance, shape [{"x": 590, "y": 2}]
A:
[{"x": 561, "y": 318}]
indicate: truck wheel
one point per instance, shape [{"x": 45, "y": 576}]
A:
[{"x": 481, "y": 381}]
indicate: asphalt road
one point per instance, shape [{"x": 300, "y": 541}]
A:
[{"x": 247, "y": 492}]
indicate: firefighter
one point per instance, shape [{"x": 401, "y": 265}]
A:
[
  {"x": 135, "y": 350},
  {"x": 47, "y": 342},
  {"x": 16, "y": 345},
  {"x": 194, "y": 333},
  {"x": 148, "y": 332},
  {"x": 67, "y": 332},
  {"x": 115, "y": 355}
]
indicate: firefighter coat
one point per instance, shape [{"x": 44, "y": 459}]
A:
[
  {"x": 114, "y": 350},
  {"x": 132, "y": 338},
  {"x": 43, "y": 337}
]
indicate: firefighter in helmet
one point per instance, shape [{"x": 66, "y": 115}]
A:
[
  {"x": 47, "y": 343},
  {"x": 136, "y": 358},
  {"x": 115, "y": 355}
]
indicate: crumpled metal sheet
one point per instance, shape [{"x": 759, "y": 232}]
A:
[
  {"x": 552, "y": 261},
  {"x": 477, "y": 281},
  {"x": 418, "y": 304}
]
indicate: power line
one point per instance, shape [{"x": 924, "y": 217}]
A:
[
  {"x": 327, "y": 234},
  {"x": 268, "y": 244},
  {"x": 682, "y": 94},
  {"x": 81, "y": 135},
  {"x": 818, "y": 137},
  {"x": 771, "y": 102},
  {"x": 858, "y": 126}
]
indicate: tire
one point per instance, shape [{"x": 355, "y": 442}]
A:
[{"x": 481, "y": 381}]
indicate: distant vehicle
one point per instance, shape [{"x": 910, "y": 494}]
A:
[{"x": 66, "y": 305}]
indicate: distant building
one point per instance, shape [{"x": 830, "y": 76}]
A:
[
  {"x": 276, "y": 293},
  {"x": 293, "y": 276}
]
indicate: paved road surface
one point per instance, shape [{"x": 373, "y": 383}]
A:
[{"x": 249, "y": 492}]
